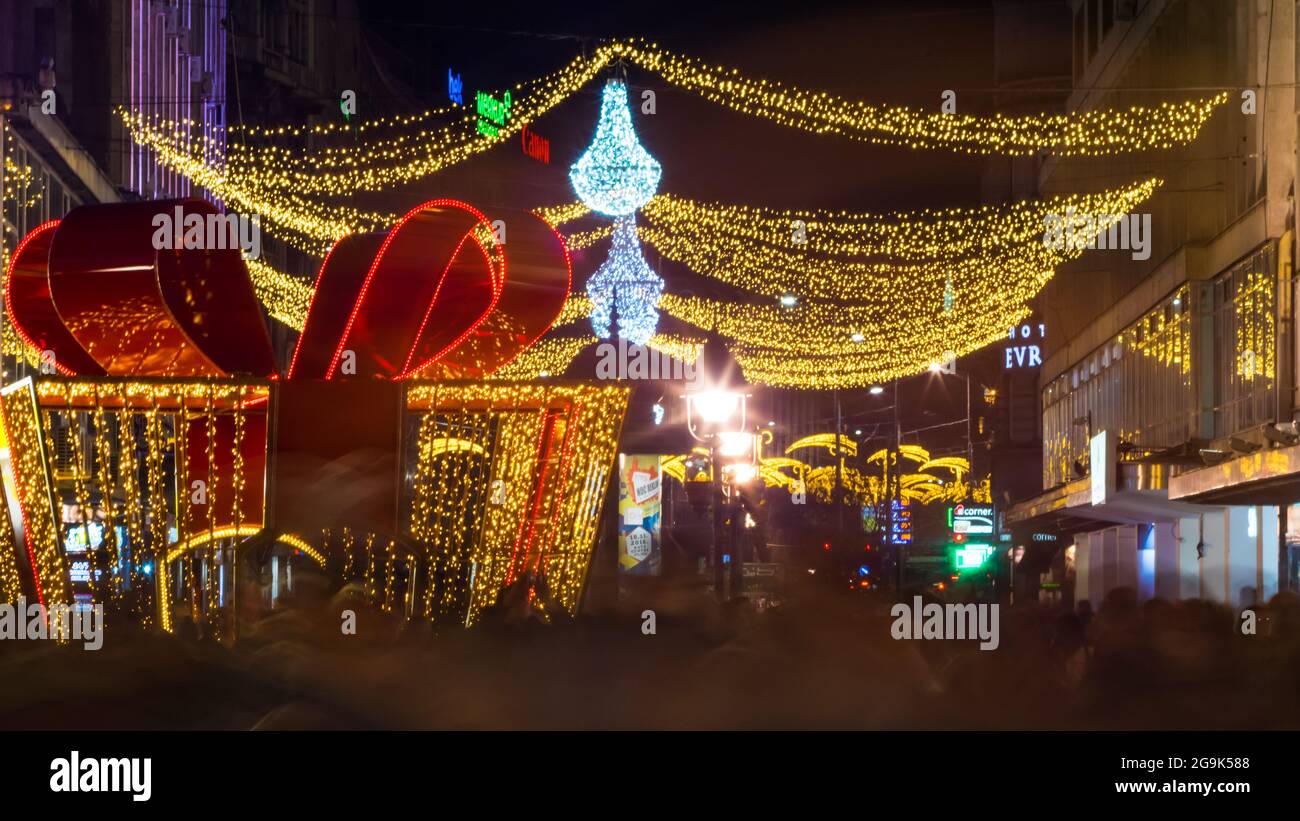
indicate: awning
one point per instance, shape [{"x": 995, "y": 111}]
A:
[
  {"x": 1266, "y": 477},
  {"x": 1140, "y": 496}
]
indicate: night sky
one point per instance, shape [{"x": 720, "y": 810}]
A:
[
  {"x": 902, "y": 53},
  {"x": 899, "y": 53}
]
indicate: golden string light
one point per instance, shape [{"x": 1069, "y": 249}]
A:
[
  {"x": 827, "y": 329},
  {"x": 286, "y": 298},
  {"x": 900, "y": 260},
  {"x": 389, "y": 159},
  {"x": 1091, "y": 133},
  {"x": 285, "y": 185},
  {"x": 286, "y": 189},
  {"x": 103, "y": 450},
  {"x": 550, "y": 356},
  {"x": 310, "y": 226},
  {"x": 529, "y": 517},
  {"x": 33, "y": 482},
  {"x": 955, "y": 233},
  {"x": 10, "y": 577}
]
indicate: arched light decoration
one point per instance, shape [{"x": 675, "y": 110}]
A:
[
  {"x": 615, "y": 176},
  {"x": 625, "y": 283}
]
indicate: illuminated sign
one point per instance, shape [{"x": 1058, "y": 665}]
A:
[
  {"x": 1101, "y": 466},
  {"x": 74, "y": 541},
  {"x": 972, "y": 556},
  {"x": 455, "y": 88},
  {"x": 971, "y": 519},
  {"x": 640, "y": 513},
  {"x": 492, "y": 113},
  {"x": 1022, "y": 353},
  {"x": 535, "y": 145},
  {"x": 79, "y": 571},
  {"x": 1044, "y": 537},
  {"x": 901, "y": 524}
]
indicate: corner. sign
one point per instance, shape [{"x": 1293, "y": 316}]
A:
[{"x": 971, "y": 520}]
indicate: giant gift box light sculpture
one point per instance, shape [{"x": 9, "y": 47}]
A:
[{"x": 383, "y": 454}]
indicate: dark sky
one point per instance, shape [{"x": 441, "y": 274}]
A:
[{"x": 899, "y": 52}]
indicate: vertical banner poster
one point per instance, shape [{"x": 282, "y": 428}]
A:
[{"x": 639, "y": 514}]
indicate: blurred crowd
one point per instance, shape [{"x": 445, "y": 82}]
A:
[{"x": 823, "y": 659}]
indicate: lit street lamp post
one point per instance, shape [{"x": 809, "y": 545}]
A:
[{"x": 717, "y": 418}]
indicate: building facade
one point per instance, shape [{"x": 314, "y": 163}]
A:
[{"x": 1168, "y": 387}]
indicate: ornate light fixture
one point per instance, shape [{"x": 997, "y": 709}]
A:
[{"x": 615, "y": 176}]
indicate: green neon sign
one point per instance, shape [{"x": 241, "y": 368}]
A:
[
  {"x": 972, "y": 557},
  {"x": 492, "y": 113}
]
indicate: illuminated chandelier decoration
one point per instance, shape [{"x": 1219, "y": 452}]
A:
[{"x": 615, "y": 176}]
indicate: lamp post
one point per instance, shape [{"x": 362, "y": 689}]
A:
[{"x": 717, "y": 418}]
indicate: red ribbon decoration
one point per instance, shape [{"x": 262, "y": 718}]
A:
[
  {"x": 446, "y": 293},
  {"x": 442, "y": 294}
]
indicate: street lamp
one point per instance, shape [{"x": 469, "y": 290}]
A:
[
  {"x": 711, "y": 411},
  {"x": 716, "y": 417}
]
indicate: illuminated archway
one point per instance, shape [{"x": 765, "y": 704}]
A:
[{"x": 207, "y": 537}]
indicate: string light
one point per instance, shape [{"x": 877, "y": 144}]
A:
[
  {"x": 537, "y": 493},
  {"x": 279, "y": 183},
  {"x": 388, "y": 160},
  {"x": 10, "y": 577},
  {"x": 549, "y": 357},
  {"x": 871, "y": 258},
  {"x": 1092, "y": 133},
  {"x": 34, "y": 487},
  {"x": 286, "y": 298},
  {"x": 143, "y": 482},
  {"x": 920, "y": 235}
]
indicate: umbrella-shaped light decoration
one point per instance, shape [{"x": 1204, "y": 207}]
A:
[{"x": 615, "y": 176}]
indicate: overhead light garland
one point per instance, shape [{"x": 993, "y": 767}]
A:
[
  {"x": 910, "y": 286},
  {"x": 549, "y": 357},
  {"x": 901, "y": 260},
  {"x": 287, "y": 298},
  {"x": 812, "y": 347},
  {"x": 552, "y": 356},
  {"x": 274, "y": 173},
  {"x": 1090, "y": 133},
  {"x": 272, "y": 180},
  {"x": 919, "y": 235}
]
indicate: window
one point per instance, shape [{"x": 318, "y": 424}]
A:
[
  {"x": 1094, "y": 27},
  {"x": 1245, "y": 343},
  {"x": 1140, "y": 387},
  {"x": 1079, "y": 31}
]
